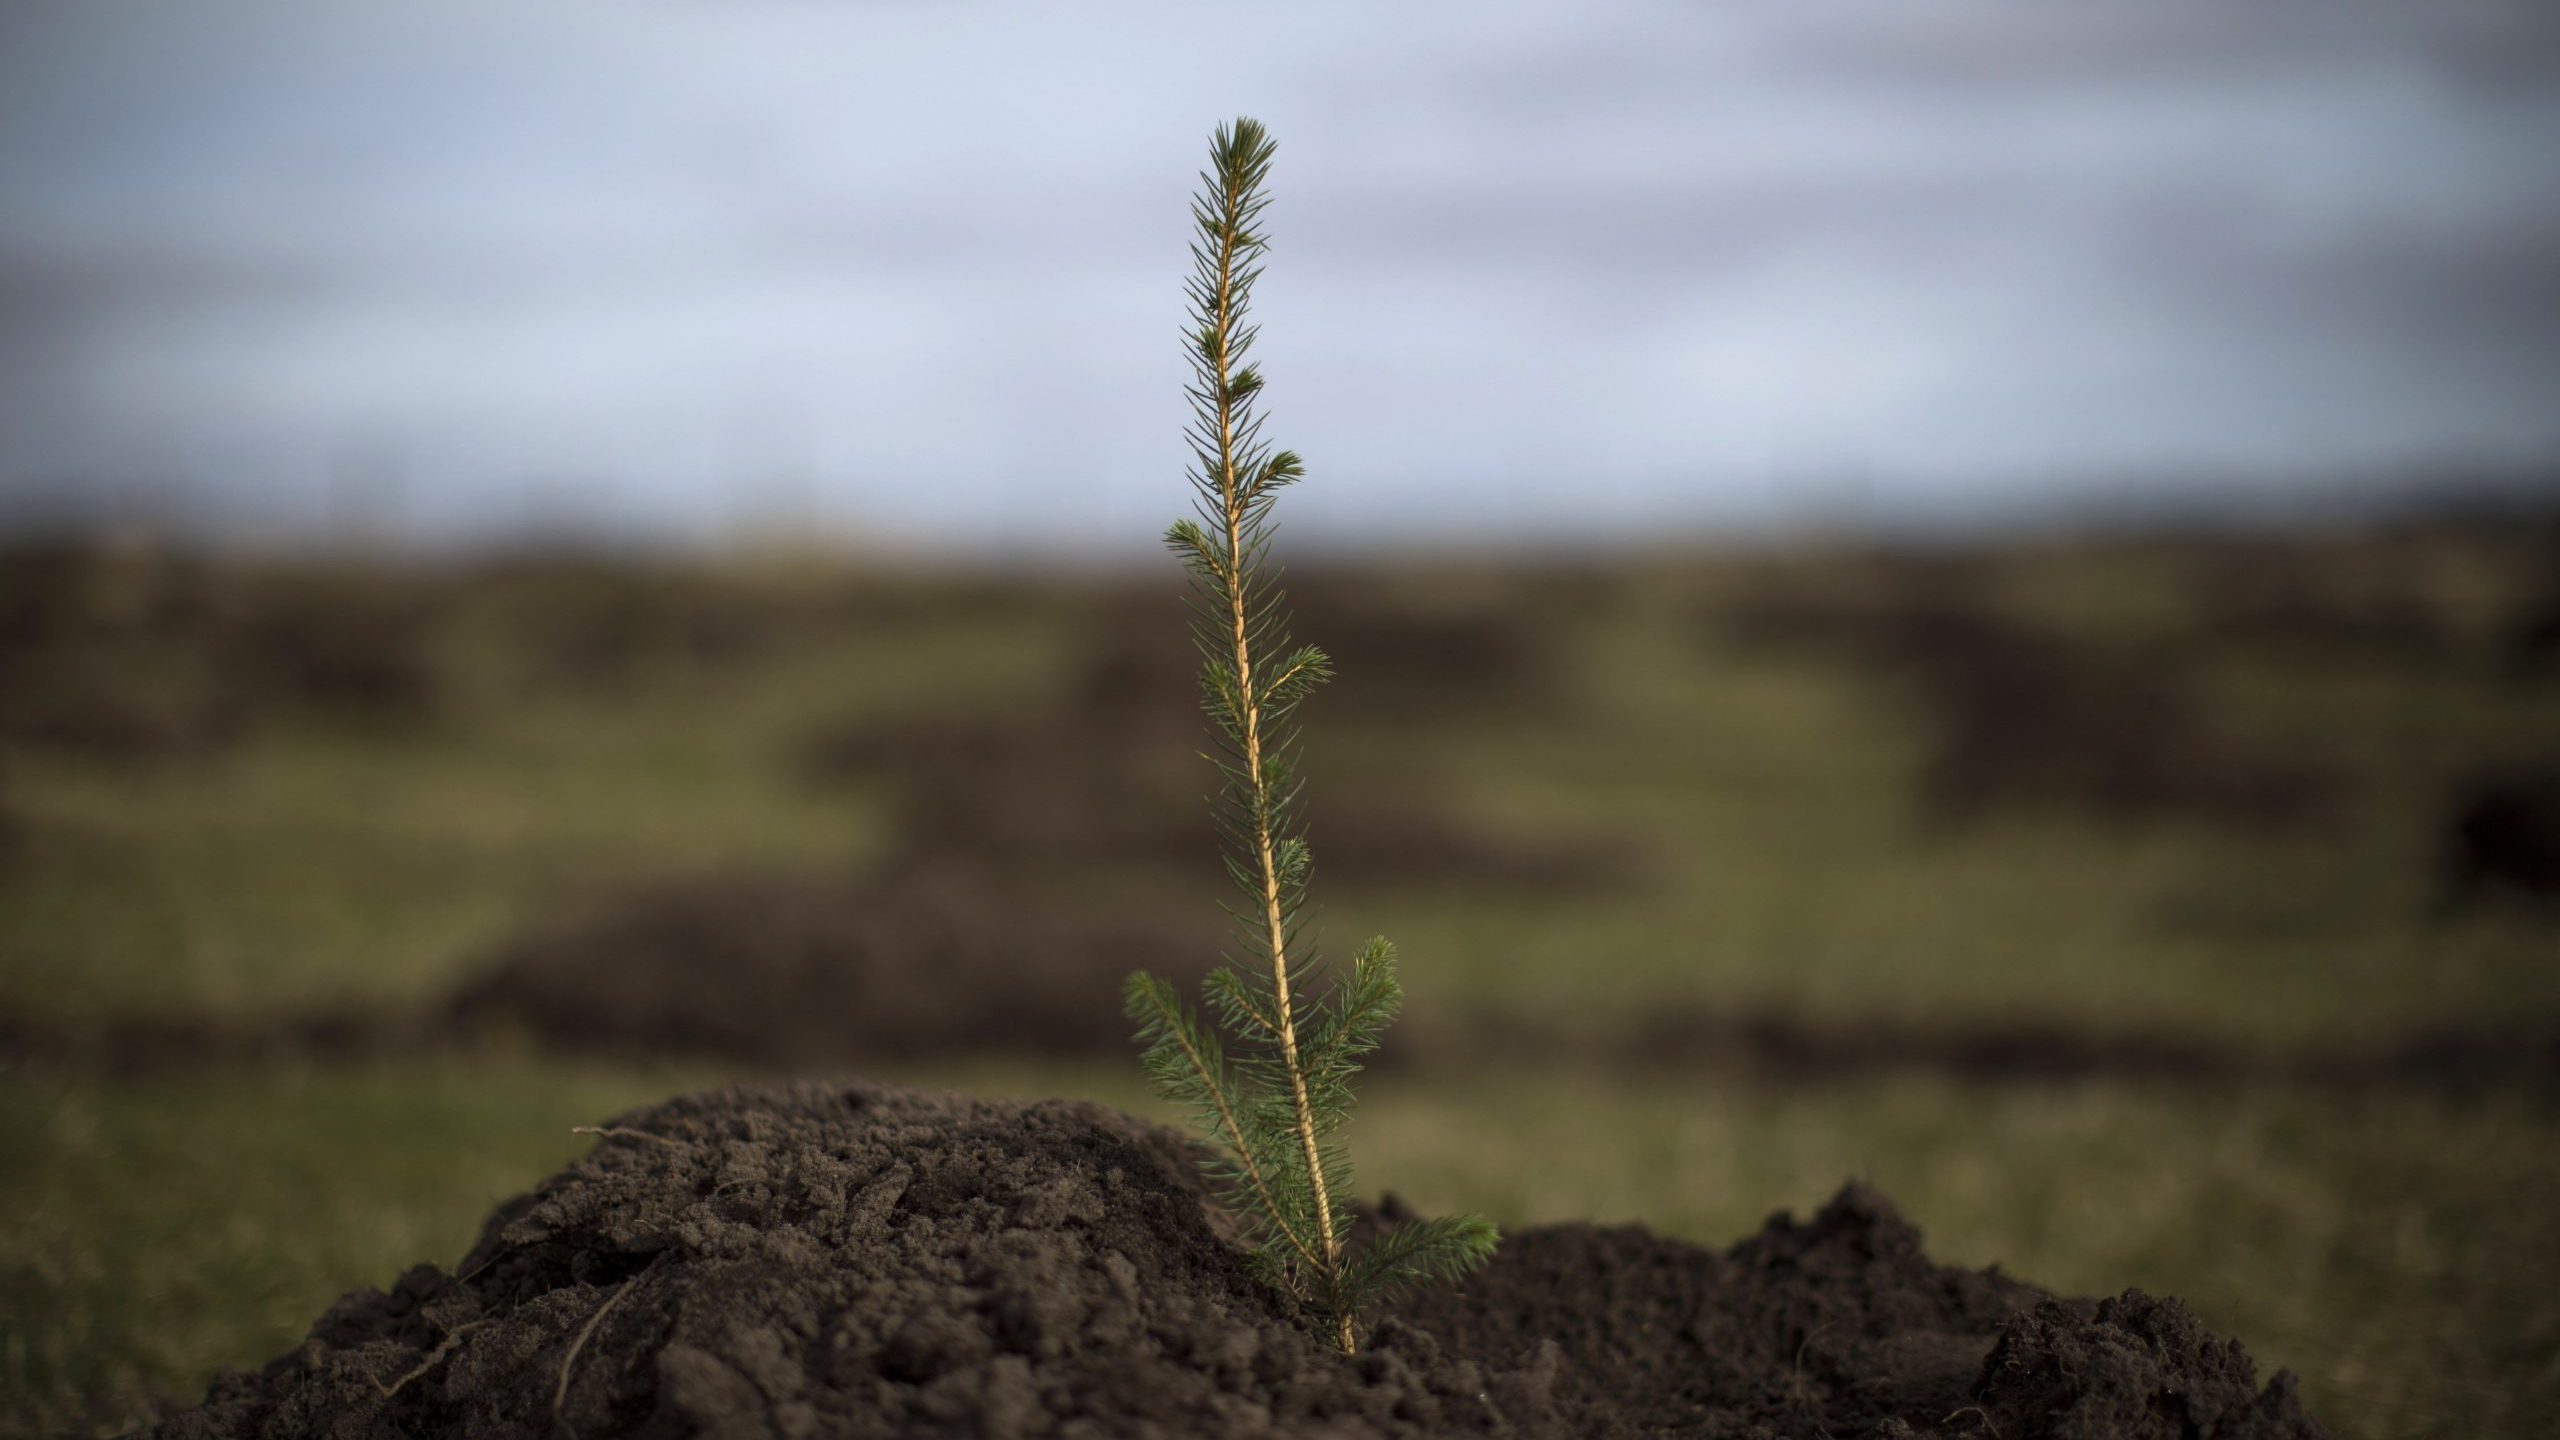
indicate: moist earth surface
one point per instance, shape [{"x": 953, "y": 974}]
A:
[{"x": 859, "y": 1260}]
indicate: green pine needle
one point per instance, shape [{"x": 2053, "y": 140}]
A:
[{"x": 1274, "y": 1106}]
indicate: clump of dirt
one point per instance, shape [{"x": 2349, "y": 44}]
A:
[
  {"x": 2532, "y": 641},
  {"x": 2020, "y": 718},
  {"x": 11, "y": 828},
  {"x": 865, "y": 1261},
  {"x": 2504, "y": 836},
  {"x": 799, "y": 971},
  {"x": 2134, "y": 1365},
  {"x": 2023, "y": 722}
]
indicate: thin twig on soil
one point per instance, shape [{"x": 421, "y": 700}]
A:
[
  {"x": 1987, "y": 1422},
  {"x": 444, "y": 1347},
  {"x": 619, "y": 1132},
  {"x": 568, "y": 1362}
]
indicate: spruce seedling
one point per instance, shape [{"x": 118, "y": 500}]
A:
[{"x": 1274, "y": 1105}]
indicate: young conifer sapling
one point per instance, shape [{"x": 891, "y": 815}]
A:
[{"x": 1273, "y": 1103}]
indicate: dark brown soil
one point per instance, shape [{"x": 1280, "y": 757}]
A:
[
  {"x": 1110, "y": 775},
  {"x": 132, "y": 654},
  {"x": 2531, "y": 636},
  {"x": 598, "y": 626},
  {"x": 1790, "y": 1050},
  {"x": 2356, "y": 603},
  {"x": 862, "y": 1261},
  {"x": 2024, "y": 723},
  {"x": 1038, "y": 807},
  {"x": 2503, "y": 836},
  {"x": 798, "y": 973},
  {"x": 2534, "y": 648},
  {"x": 604, "y": 625},
  {"x": 2018, "y": 718},
  {"x": 1746, "y": 1048},
  {"x": 794, "y": 972},
  {"x": 341, "y": 643},
  {"x": 1403, "y": 656},
  {"x": 99, "y": 657},
  {"x": 1437, "y": 649}
]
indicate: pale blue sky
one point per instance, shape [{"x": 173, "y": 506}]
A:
[{"x": 913, "y": 271}]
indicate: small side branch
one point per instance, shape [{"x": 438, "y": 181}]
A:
[{"x": 1210, "y": 1085}]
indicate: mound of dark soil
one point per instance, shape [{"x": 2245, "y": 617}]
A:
[
  {"x": 1399, "y": 655},
  {"x": 2504, "y": 835},
  {"x": 1042, "y": 809},
  {"x": 1111, "y": 776},
  {"x": 2346, "y": 602},
  {"x": 343, "y": 643},
  {"x": 801, "y": 972},
  {"x": 2534, "y": 649},
  {"x": 1108, "y": 775},
  {"x": 795, "y": 971},
  {"x": 2531, "y": 636},
  {"x": 860, "y": 1261},
  {"x": 603, "y": 625},
  {"x": 1437, "y": 648},
  {"x": 2022, "y": 718},
  {"x": 2023, "y": 722}
]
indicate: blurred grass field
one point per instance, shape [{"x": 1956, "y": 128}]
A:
[{"x": 2397, "y": 1247}]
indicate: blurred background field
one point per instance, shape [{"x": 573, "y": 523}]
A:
[{"x": 2109, "y": 903}]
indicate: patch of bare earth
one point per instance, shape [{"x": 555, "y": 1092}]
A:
[{"x": 864, "y": 1261}]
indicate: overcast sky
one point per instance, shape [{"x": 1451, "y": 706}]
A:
[{"x": 913, "y": 270}]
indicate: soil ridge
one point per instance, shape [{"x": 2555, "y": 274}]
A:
[{"x": 816, "y": 1259}]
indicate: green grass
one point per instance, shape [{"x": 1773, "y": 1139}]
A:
[
  {"x": 1798, "y": 878},
  {"x": 314, "y": 868},
  {"x": 159, "y": 1231},
  {"x": 321, "y": 869}
]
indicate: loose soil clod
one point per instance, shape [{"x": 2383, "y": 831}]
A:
[
  {"x": 2504, "y": 835},
  {"x": 818, "y": 1260}
]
